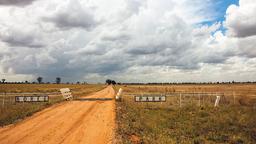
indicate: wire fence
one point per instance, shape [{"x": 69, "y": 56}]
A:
[
  {"x": 180, "y": 99},
  {"x": 7, "y": 99}
]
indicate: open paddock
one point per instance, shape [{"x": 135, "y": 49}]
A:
[{"x": 194, "y": 120}]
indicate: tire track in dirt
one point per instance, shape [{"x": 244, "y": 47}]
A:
[{"x": 70, "y": 122}]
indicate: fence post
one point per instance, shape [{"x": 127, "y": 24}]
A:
[
  {"x": 199, "y": 99},
  {"x": 234, "y": 98},
  {"x": 3, "y": 101},
  {"x": 180, "y": 99},
  {"x": 217, "y": 101}
]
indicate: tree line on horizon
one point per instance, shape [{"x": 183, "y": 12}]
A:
[
  {"x": 113, "y": 82},
  {"x": 39, "y": 81}
]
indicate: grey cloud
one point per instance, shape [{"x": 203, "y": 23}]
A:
[
  {"x": 145, "y": 42},
  {"x": 73, "y": 16},
  {"x": 17, "y": 38},
  {"x": 144, "y": 50},
  {"x": 134, "y": 5},
  {"x": 240, "y": 20},
  {"x": 117, "y": 37},
  {"x": 247, "y": 47},
  {"x": 240, "y": 29},
  {"x": 92, "y": 49},
  {"x": 16, "y": 2}
]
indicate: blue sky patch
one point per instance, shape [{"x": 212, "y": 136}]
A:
[{"x": 220, "y": 7}]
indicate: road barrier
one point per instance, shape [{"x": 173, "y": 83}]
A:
[
  {"x": 66, "y": 93},
  {"x": 118, "y": 95},
  {"x": 217, "y": 101}
]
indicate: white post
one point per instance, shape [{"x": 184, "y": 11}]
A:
[
  {"x": 118, "y": 96},
  {"x": 217, "y": 101}
]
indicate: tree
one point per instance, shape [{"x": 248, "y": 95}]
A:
[
  {"x": 39, "y": 79},
  {"x": 113, "y": 82},
  {"x": 58, "y": 80},
  {"x": 3, "y": 80},
  {"x": 108, "y": 81}
]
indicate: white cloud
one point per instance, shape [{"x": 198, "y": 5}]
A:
[
  {"x": 72, "y": 14},
  {"x": 127, "y": 40},
  {"x": 241, "y": 20}
]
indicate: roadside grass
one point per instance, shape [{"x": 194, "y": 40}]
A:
[
  {"x": 11, "y": 112},
  {"x": 156, "y": 123}
]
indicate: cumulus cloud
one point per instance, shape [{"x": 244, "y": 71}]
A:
[
  {"x": 126, "y": 40},
  {"x": 241, "y": 20},
  {"x": 73, "y": 15},
  {"x": 16, "y": 2},
  {"x": 18, "y": 38}
]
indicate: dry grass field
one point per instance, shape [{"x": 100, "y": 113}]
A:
[
  {"x": 234, "y": 121},
  {"x": 11, "y": 112}
]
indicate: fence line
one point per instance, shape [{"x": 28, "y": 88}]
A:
[{"x": 203, "y": 98}]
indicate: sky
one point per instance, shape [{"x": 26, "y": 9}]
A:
[{"x": 128, "y": 40}]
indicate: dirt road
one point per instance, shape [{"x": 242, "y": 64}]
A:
[{"x": 87, "y": 122}]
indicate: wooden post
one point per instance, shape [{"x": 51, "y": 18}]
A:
[
  {"x": 180, "y": 99},
  {"x": 199, "y": 99},
  {"x": 234, "y": 98},
  {"x": 3, "y": 101}
]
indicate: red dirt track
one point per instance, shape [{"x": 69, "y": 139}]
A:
[{"x": 73, "y": 122}]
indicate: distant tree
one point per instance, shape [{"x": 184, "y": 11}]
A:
[
  {"x": 58, "y": 80},
  {"x": 113, "y": 82},
  {"x": 39, "y": 79},
  {"x": 3, "y": 80},
  {"x": 78, "y": 82},
  {"x": 108, "y": 81},
  {"x": 26, "y": 82}
]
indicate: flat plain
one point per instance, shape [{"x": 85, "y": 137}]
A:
[{"x": 233, "y": 121}]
